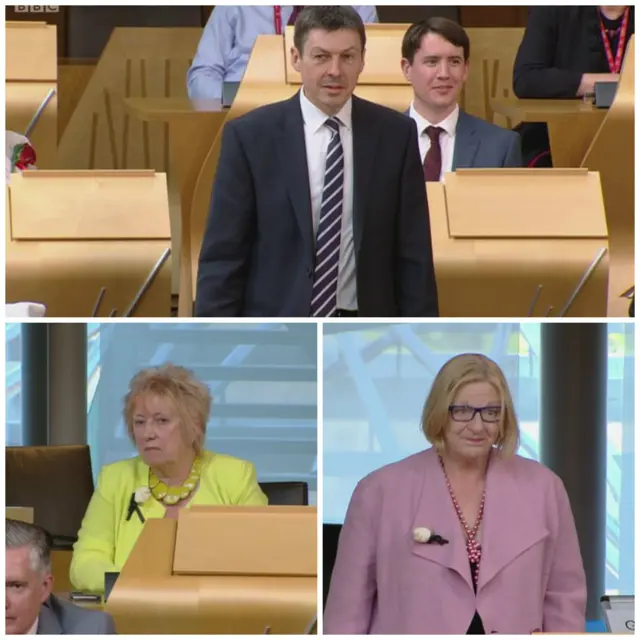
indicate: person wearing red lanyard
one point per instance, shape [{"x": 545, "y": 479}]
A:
[
  {"x": 228, "y": 38},
  {"x": 465, "y": 537},
  {"x": 564, "y": 52}
]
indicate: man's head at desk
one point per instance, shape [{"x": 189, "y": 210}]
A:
[
  {"x": 328, "y": 52},
  {"x": 28, "y": 578},
  {"x": 435, "y": 60},
  {"x": 30, "y": 606}
]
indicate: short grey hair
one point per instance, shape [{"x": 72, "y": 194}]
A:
[{"x": 21, "y": 534}]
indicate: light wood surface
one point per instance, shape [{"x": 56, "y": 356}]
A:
[
  {"x": 572, "y": 124},
  {"x": 89, "y": 205},
  {"x": 28, "y": 80},
  {"x": 66, "y": 273},
  {"x": 490, "y": 273},
  {"x": 136, "y": 62},
  {"x": 40, "y": 41},
  {"x": 23, "y": 514},
  {"x": 150, "y": 598},
  {"x": 286, "y": 546},
  {"x": 61, "y": 567},
  {"x": 73, "y": 79},
  {"x": 612, "y": 154},
  {"x": 493, "y": 51},
  {"x": 103, "y": 134},
  {"x": 193, "y": 126}
]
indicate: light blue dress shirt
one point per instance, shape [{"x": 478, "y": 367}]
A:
[{"x": 227, "y": 41}]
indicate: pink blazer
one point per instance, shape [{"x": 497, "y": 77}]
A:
[{"x": 531, "y": 574}]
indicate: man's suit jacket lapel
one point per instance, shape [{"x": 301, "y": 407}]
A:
[
  {"x": 366, "y": 136},
  {"x": 467, "y": 143},
  {"x": 292, "y": 152},
  {"x": 48, "y": 623}
]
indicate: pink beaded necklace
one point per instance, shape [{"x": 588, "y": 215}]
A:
[{"x": 474, "y": 549}]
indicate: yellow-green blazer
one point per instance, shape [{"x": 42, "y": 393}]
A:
[{"x": 106, "y": 538}]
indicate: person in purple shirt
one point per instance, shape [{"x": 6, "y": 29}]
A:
[{"x": 227, "y": 41}]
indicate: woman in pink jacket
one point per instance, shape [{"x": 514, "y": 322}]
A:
[{"x": 465, "y": 537}]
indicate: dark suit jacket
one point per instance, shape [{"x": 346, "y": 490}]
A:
[
  {"x": 58, "y": 617},
  {"x": 481, "y": 144},
  {"x": 560, "y": 44},
  {"x": 258, "y": 251}
]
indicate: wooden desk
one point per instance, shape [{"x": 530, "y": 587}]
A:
[
  {"x": 193, "y": 128},
  {"x": 572, "y": 124}
]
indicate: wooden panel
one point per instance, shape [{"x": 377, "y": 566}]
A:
[
  {"x": 490, "y": 71},
  {"x": 136, "y": 62},
  {"x": 73, "y": 79},
  {"x": 79, "y": 205},
  {"x": 39, "y": 39},
  {"x": 493, "y": 16},
  {"x": 612, "y": 155},
  {"x": 60, "y": 568},
  {"x": 28, "y": 81},
  {"x": 54, "y": 15}
]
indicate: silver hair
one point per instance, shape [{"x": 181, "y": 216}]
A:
[{"x": 21, "y": 534}]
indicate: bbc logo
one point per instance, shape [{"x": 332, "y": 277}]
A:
[{"x": 36, "y": 8}]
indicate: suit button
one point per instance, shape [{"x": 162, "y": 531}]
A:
[{"x": 309, "y": 273}]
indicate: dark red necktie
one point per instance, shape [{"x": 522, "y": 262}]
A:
[
  {"x": 294, "y": 15},
  {"x": 433, "y": 159}
]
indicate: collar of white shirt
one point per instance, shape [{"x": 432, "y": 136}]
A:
[
  {"x": 314, "y": 118},
  {"x": 34, "y": 628},
  {"x": 449, "y": 124}
]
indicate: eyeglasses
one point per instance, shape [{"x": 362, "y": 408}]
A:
[{"x": 465, "y": 413}]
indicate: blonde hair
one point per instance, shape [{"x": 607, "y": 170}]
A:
[
  {"x": 461, "y": 370},
  {"x": 190, "y": 397}
]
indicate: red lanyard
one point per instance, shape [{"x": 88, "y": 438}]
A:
[
  {"x": 615, "y": 66},
  {"x": 277, "y": 20}
]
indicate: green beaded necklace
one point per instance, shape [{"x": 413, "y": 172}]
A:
[{"x": 170, "y": 495}]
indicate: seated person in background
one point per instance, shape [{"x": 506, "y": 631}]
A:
[
  {"x": 166, "y": 412},
  {"x": 435, "y": 60},
  {"x": 30, "y": 606},
  {"x": 564, "y": 52},
  {"x": 227, "y": 41}
]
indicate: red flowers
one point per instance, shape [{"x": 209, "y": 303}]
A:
[{"x": 24, "y": 156}]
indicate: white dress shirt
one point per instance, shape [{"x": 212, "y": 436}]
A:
[
  {"x": 317, "y": 137},
  {"x": 447, "y": 139},
  {"x": 34, "y": 628}
]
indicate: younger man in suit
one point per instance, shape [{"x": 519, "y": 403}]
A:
[
  {"x": 319, "y": 205},
  {"x": 435, "y": 60},
  {"x": 30, "y": 606}
]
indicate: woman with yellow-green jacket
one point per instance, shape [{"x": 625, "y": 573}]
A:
[{"x": 166, "y": 413}]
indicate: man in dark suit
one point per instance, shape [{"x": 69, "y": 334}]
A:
[
  {"x": 30, "y": 607},
  {"x": 319, "y": 203},
  {"x": 435, "y": 60}
]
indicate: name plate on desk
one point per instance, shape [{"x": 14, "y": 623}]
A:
[
  {"x": 510, "y": 203},
  {"x": 257, "y": 541},
  {"x": 89, "y": 205}
]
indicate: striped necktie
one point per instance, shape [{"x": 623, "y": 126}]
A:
[{"x": 324, "y": 295}]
